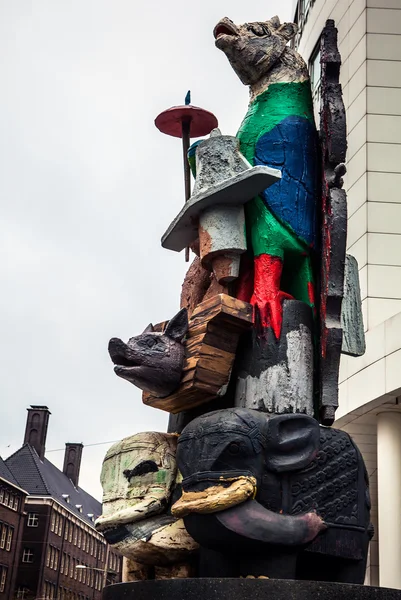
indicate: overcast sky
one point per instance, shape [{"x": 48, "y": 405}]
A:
[{"x": 88, "y": 185}]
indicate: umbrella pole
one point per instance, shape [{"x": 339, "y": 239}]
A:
[{"x": 186, "y": 127}]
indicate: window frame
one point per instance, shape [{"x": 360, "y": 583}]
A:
[
  {"x": 3, "y": 578},
  {"x": 33, "y": 520},
  {"x": 27, "y": 553},
  {"x": 10, "y": 534}
]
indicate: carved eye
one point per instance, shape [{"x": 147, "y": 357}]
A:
[
  {"x": 151, "y": 342},
  {"x": 234, "y": 448},
  {"x": 146, "y": 466},
  {"x": 258, "y": 29}
]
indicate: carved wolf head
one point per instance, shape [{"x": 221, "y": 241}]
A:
[
  {"x": 152, "y": 360},
  {"x": 254, "y": 49}
]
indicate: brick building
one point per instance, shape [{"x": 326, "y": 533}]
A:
[
  {"x": 12, "y": 502},
  {"x": 61, "y": 555}
]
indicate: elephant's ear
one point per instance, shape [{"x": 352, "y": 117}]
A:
[{"x": 293, "y": 442}]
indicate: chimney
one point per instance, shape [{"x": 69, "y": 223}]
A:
[
  {"x": 72, "y": 461},
  {"x": 36, "y": 428}
]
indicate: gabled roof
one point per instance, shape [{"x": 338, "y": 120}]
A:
[
  {"x": 6, "y": 474},
  {"x": 42, "y": 478}
]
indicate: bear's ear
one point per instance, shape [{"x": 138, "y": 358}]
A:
[
  {"x": 274, "y": 22},
  {"x": 178, "y": 326},
  {"x": 288, "y": 30}
]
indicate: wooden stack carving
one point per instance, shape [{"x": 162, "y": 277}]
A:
[{"x": 213, "y": 334}]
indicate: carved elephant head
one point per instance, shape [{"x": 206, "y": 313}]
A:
[{"x": 252, "y": 481}]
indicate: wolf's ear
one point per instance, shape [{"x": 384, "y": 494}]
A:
[
  {"x": 178, "y": 326},
  {"x": 288, "y": 31},
  {"x": 148, "y": 329},
  {"x": 274, "y": 22}
]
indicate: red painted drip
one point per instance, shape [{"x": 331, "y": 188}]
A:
[
  {"x": 311, "y": 296},
  {"x": 267, "y": 297},
  {"x": 311, "y": 293}
]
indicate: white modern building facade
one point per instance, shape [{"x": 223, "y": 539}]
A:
[{"x": 369, "y": 35}]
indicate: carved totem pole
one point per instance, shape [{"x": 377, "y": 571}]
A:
[{"x": 250, "y": 481}]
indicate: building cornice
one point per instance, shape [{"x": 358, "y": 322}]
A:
[{"x": 10, "y": 483}]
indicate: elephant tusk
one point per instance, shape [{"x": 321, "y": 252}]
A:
[
  {"x": 215, "y": 498},
  {"x": 252, "y": 521}
]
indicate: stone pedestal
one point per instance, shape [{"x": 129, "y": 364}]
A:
[{"x": 245, "y": 589}]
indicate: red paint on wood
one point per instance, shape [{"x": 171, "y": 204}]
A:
[
  {"x": 267, "y": 297},
  {"x": 311, "y": 292}
]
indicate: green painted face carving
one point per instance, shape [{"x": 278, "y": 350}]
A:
[{"x": 137, "y": 478}]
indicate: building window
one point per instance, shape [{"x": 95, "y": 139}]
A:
[
  {"x": 301, "y": 16},
  {"x": 3, "y": 535},
  {"x": 33, "y": 520},
  {"x": 6, "y": 536},
  {"x": 52, "y": 558},
  {"x": 22, "y": 592},
  {"x": 57, "y": 523},
  {"x": 53, "y": 521},
  {"x": 27, "y": 555},
  {"x": 66, "y": 530},
  {"x": 316, "y": 81},
  {"x": 9, "y": 538},
  {"x": 49, "y": 590},
  {"x": 3, "y": 577},
  {"x": 60, "y": 526}
]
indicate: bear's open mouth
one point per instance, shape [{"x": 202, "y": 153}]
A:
[
  {"x": 121, "y": 361},
  {"x": 224, "y": 28}
]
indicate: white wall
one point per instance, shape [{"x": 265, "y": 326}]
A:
[
  {"x": 370, "y": 44},
  {"x": 369, "y": 34}
]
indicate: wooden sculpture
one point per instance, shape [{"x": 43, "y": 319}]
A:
[{"x": 248, "y": 369}]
